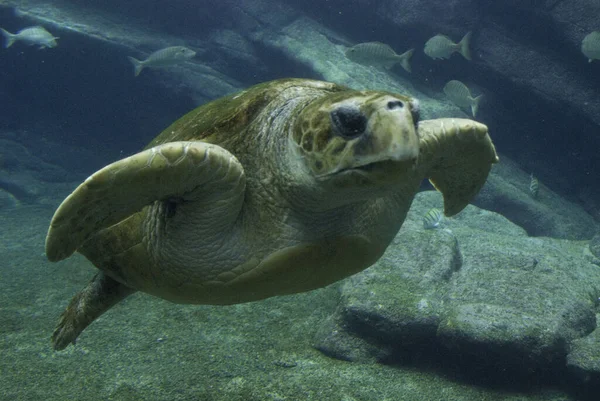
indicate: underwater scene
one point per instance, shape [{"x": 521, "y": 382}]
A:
[{"x": 286, "y": 200}]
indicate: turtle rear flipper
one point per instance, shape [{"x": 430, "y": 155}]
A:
[
  {"x": 175, "y": 170},
  {"x": 96, "y": 298},
  {"x": 456, "y": 155}
]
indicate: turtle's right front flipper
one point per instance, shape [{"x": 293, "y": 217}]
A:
[
  {"x": 175, "y": 170},
  {"x": 456, "y": 155}
]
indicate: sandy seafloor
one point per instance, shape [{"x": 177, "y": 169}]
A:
[{"x": 149, "y": 349}]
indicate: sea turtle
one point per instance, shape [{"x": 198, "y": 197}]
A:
[{"x": 282, "y": 188}]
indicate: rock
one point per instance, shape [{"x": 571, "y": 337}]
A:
[
  {"x": 319, "y": 48},
  {"x": 507, "y": 192},
  {"x": 236, "y": 51},
  {"x": 594, "y": 245},
  {"x": 7, "y": 199},
  {"x": 27, "y": 179},
  {"x": 583, "y": 360},
  {"x": 477, "y": 289}
]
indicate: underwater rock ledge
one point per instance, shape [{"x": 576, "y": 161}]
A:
[{"x": 479, "y": 291}]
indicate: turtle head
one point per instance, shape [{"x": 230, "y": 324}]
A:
[{"x": 358, "y": 138}]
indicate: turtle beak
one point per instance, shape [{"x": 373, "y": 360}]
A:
[{"x": 392, "y": 131}]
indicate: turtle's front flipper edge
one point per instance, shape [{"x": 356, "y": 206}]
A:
[
  {"x": 456, "y": 155},
  {"x": 170, "y": 170},
  {"x": 96, "y": 298}
]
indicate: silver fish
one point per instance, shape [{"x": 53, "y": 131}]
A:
[
  {"x": 590, "y": 46},
  {"x": 378, "y": 54},
  {"x": 433, "y": 219},
  {"x": 34, "y": 35},
  {"x": 534, "y": 186},
  {"x": 441, "y": 46},
  {"x": 460, "y": 95},
  {"x": 163, "y": 58}
]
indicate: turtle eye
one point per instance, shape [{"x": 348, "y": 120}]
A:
[{"x": 349, "y": 122}]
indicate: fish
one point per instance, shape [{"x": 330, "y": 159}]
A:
[
  {"x": 441, "y": 46},
  {"x": 432, "y": 219},
  {"x": 33, "y": 35},
  {"x": 163, "y": 58},
  {"x": 590, "y": 46},
  {"x": 534, "y": 186},
  {"x": 379, "y": 54},
  {"x": 460, "y": 95}
]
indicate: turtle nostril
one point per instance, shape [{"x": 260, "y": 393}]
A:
[
  {"x": 349, "y": 122},
  {"x": 395, "y": 104}
]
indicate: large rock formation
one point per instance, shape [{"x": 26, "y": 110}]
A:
[{"x": 478, "y": 293}]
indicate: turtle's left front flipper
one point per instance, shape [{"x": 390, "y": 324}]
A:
[{"x": 456, "y": 155}]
